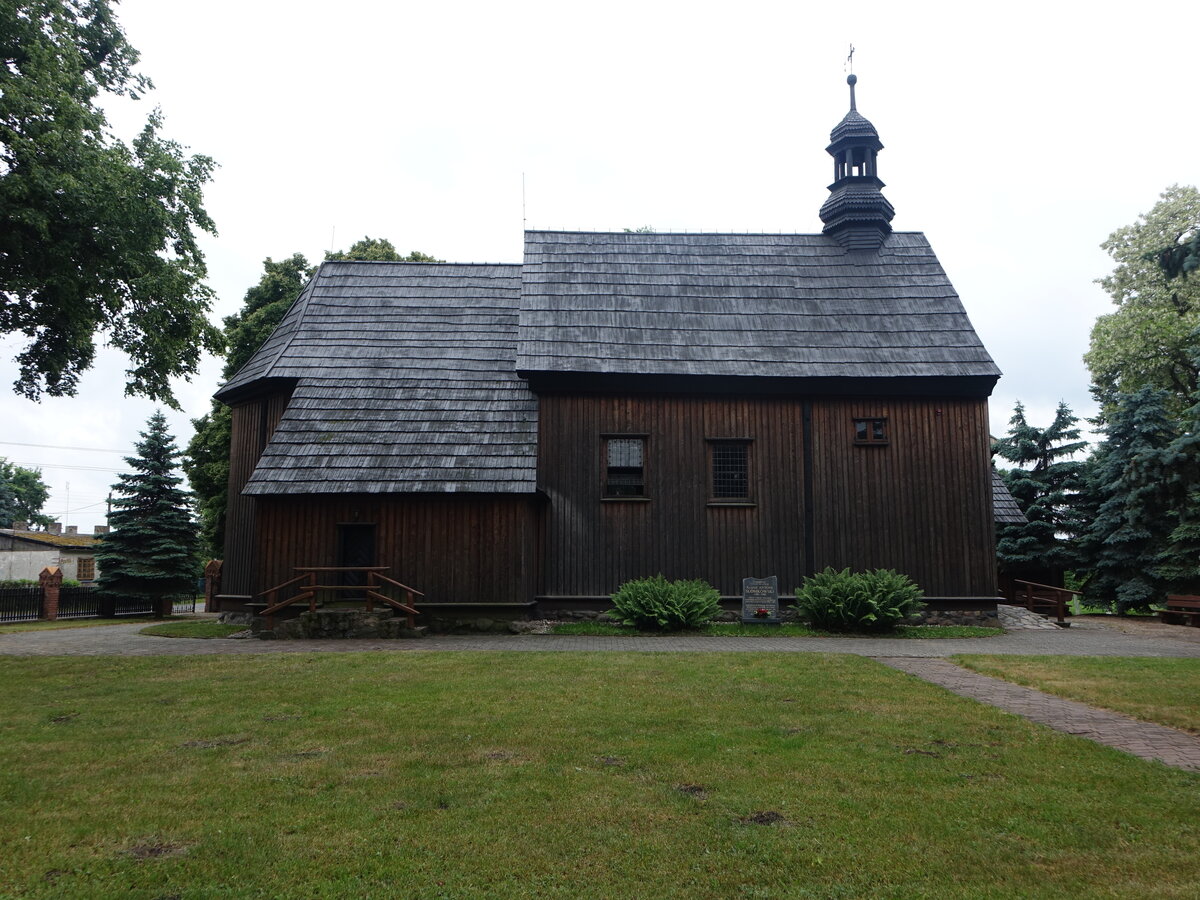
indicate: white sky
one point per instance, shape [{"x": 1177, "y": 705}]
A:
[{"x": 1017, "y": 136}]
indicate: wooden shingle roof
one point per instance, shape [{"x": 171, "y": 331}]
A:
[
  {"x": 758, "y": 305},
  {"x": 1004, "y": 507},
  {"x": 404, "y": 382}
]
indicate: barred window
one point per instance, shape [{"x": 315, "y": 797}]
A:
[
  {"x": 870, "y": 431},
  {"x": 624, "y": 474},
  {"x": 730, "y": 470}
]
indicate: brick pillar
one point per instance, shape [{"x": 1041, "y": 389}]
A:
[
  {"x": 51, "y": 579},
  {"x": 212, "y": 585}
]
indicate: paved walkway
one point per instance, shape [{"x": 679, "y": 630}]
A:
[
  {"x": 922, "y": 658},
  {"x": 1082, "y": 639},
  {"x": 1149, "y": 741}
]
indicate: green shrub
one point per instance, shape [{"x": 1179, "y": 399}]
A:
[
  {"x": 18, "y": 582},
  {"x": 655, "y": 604},
  {"x": 873, "y": 601}
]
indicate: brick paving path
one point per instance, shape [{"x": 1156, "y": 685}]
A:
[{"x": 1149, "y": 741}]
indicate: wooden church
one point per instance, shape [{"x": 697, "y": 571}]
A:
[{"x": 708, "y": 406}]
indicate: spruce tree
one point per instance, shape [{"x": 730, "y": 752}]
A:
[
  {"x": 151, "y": 552},
  {"x": 1048, "y": 485},
  {"x": 1181, "y": 566},
  {"x": 1132, "y": 487}
]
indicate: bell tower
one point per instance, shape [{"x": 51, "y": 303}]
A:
[{"x": 856, "y": 214}]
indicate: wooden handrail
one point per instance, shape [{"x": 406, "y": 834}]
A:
[
  {"x": 280, "y": 587},
  {"x": 1060, "y": 598},
  {"x": 1048, "y": 587},
  {"x": 308, "y": 574},
  {"x": 405, "y": 587}
]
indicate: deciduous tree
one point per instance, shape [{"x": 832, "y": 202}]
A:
[
  {"x": 95, "y": 235},
  {"x": 22, "y": 495},
  {"x": 1148, "y": 341},
  {"x": 380, "y": 249}
]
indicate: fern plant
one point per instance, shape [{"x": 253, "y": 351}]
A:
[
  {"x": 655, "y": 604},
  {"x": 873, "y": 601}
]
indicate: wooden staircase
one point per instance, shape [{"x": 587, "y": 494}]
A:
[{"x": 314, "y": 581}]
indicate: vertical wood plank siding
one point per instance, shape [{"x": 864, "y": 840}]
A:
[
  {"x": 594, "y": 545},
  {"x": 921, "y": 504},
  {"x": 253, "y": 424},
  {"x": 451, "y": 547}
]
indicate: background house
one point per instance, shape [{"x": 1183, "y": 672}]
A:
[{"x": 24, "y": 553}]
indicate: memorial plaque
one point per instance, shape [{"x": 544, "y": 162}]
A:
[{"x": 760, "y": 600}]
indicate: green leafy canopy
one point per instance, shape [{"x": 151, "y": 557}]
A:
[
  {"x": 22, "y": 495},
  {"x": 1148, "y": 340},
  {"x": 96, "y": 235}
]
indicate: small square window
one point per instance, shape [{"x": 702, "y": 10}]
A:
[
  {"x": 870, "y": 431},
  {"x": 624, "y": 474}
]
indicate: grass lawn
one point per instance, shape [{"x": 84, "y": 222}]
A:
[
  {"x": 787, "y": 629},
  {"x": 201, "y": 629},
  {"x": 615, "y": 775},
  {"x": 1154, "y": 690},
  {"x": 42, "y": 625}
]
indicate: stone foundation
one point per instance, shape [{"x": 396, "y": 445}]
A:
[
  {"x": 986, "y": 618},
  {"x": 337, "y": 624}
]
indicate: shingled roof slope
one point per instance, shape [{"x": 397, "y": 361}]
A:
[
  {"x": 794, "y": 305},
  {"x": 405, "y": 382},
  {"x": 1004, "y": 508}
]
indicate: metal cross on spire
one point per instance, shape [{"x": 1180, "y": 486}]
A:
[{"x": 850, "y": 60}]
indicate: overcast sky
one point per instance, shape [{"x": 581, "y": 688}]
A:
[{"x": 1017, "y": 136}]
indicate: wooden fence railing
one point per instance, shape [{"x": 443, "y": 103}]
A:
[
  {"x": 315, "y": 580},
  {"x": 1047, "y": 599}
]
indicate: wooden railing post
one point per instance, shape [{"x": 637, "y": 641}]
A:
[{"x": 409, "y": 616}]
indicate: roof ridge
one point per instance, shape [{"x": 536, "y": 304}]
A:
[
  {"x": 414, "y": 262},
  {"x": 697, "y": 233}
]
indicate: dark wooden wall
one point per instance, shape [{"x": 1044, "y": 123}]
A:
[
  {"x": 593, "y": 545},
  {"x": 451, "y": 547},
  {"x": 921, "y": 504},
  {"x": 254, "y": 421}
]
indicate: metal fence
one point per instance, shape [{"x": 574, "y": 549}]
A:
[
  {"x": 183, "y": 606},
  {"x": 24, "y": 604},
  {"x": 20, "y": 604},
  {"x": 130, "y": 607},
  {"x": 78, "y": 603}
]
